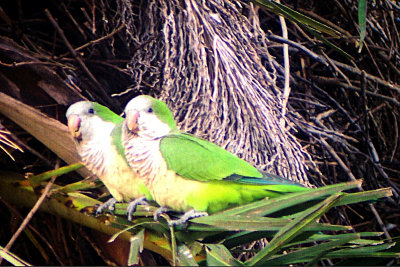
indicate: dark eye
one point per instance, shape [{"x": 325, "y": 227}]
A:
[
  {"x": 91, "y": 111},
  {"x": 150, "y": 110}
]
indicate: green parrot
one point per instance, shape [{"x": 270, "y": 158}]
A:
[
  {"x": 97, "y": 134},
  {"x": 185, "y": 173}
]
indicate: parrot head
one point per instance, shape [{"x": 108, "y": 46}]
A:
[
  {"x": 85, "y": 117},
  {"x": 147, "y": 116}
]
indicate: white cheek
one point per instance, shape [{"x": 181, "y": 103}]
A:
[
  {"x": 152, "y": 126},
  {"x": 98, "y": 130}
]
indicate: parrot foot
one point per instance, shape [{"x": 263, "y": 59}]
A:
[
  {"x": 109, "y": 204},
  {"x": 186, "y": 217},
  {"x": 133, "y": 205},
  {"x": 158, "y": 212}
]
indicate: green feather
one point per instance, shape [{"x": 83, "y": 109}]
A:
[
  {"x": 268, "y": 179},
  {"x": 218, "y": 195},
  {"x": 201, "y": 175},
  {"x": 197, "y": 159},
  {"x": 116, "y": 136},
  {"x": 163, "y": 112},
  {"x": 106, "y": 114}
]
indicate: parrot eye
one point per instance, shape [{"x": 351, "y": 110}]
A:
[
  {"x": 150, "y": 110},
  {"x": 91, "y": 111}
]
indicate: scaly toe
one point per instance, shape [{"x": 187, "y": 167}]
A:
[
  {"x": 133, "y": 206},
  {"x": 109, "y": 204}
]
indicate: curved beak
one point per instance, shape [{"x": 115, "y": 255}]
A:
[
  {"x": 74, "y": 126},
  {"x": 132, "y": 121}
]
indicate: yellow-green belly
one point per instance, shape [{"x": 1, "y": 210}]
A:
[
  {"x": 120, "y": 180},
  {"x": 182, "y": 194}
]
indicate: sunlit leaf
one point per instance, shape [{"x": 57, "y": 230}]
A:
[
  {"x": 78, "y": 186},
  {"x": 310, "y": 254},
  {"x": 295, "y": 16},
  {"x": 185, "y": 256},
  {"x": 269, "y": 206},
  {"x": 136, "y": 247},
  {"x": 12, "y": 258},
  {"x": 248, "y": 223},
  {"x": 60, "y": 171},
  {"x": 219, "y": 255},
  {"x": 293, "y": 228},
  {"x": 362, "y": 17}
]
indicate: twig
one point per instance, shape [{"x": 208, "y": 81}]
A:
[
  {"x": 24, "y": 63},
  {"x": 102, "y": 91},
  {"x": 286, "y": 88},
  {"x": 96, "y": 41},
  {"x": 15, "y": 211},
  {"x": 5, "y": 17},
  {"x": 368, "y": 76},
  {"x": 352, "y": 177},
  {"x": 338, "y": 159},
  {"x": 334, "y": 81},
  {"x": 312, "y": 54},
  {"x": 74, "y": 21},
  {"x": 29, "y": 216},
  {"x": 330, "y": 98},
  {"x": 99, "y": 250},
  {"x": 101, "y": 38},
  {"x": 335, "y": 68},
  {"x": 375, "y": 158}
]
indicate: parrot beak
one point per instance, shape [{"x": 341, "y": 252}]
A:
[
  {"x": 74, "y": 126},
  {"x": 132, "y": 121}
]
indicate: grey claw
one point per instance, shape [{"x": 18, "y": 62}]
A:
[
  {"x": 109, "y": 204},
  {"x": 186, "y": 217},
  {"x": 158, "y": 212},
  {"x": 133, "y": 205}
]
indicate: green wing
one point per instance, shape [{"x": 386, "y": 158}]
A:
[
  {"x": 197, "y": 159},
  {"x": 116, "y": 137}
]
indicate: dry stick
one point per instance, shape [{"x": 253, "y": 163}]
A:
[
  {"x": 368, "y": 76},
  {"x": 5, "y": 17},
  {"x": 29, "y": 216},
  {"x": 286, "y": 90},
  {"x": 334, "y": 81},
  {"x": 342, "y": 65},
  {"x": 74, "y": 21},
  {"x": 386, "y": 58},
  {"x": 371, "y": 56},
  {"x": 24, "y": 63},
  {"x": 34, "y": 230},
  {"x": 312, "y": 54},
  {"x": 375, "y": 157},
  {"x": 81, "y": 63},
  {"x": 96, "y": 41},
  {"x": 344, "y": 112},
  {"x": 99, "y": 250},
  {"x": 335, "y": 68},
  {"x": 101, "y": 38},
  {"x": 352, "y": 177},
  {"x": 396, "y": 138}
]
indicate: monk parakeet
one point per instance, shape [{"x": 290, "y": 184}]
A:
[
  {"x": 188, "y": 174},
  {"x": 97, "y": 134}
]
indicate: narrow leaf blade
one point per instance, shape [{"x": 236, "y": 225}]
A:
[
  {"x": 136, "y": 247},
  {"x": 293, "y": 228}
]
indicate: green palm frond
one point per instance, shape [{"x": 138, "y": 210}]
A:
[{"x": 290, "y": 222}]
